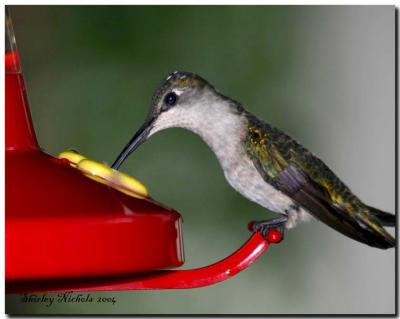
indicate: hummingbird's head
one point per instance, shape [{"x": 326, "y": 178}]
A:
[{"x": 183, "y": 99}]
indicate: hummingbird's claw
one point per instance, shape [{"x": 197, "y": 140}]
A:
[{"x": 272, "y": 230}]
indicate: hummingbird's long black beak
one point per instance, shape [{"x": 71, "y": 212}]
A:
[{"x": 134, "y": 143}]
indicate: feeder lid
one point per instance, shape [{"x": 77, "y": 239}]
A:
[{"x": 61, "y": 224}]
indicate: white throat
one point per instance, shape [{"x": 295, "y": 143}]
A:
[{"x": 215, "y": 121}]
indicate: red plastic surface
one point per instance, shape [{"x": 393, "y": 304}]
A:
[
  {"x": 274, "y": 236},
  {"x": 163, "y": 279},
  {"x": 67, "y": 225},
  {"x": 19, "y": 129}
]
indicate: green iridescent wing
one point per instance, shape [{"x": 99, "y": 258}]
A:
[{"x": 293, "y": 170}]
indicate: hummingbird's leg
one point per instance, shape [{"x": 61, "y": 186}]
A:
[{"x": 264, "y": 226}]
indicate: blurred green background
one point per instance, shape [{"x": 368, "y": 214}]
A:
[{"x": 325, "y": 75}]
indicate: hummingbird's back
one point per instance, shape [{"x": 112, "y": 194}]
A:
[{"x": 294, "y": 170}]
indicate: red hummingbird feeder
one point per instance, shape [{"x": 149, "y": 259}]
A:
[{"x": 66, "y": 232}]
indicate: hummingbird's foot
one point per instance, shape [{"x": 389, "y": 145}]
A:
[{"x": 268, "y": 228}]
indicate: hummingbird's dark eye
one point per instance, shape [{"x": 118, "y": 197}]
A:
[{"x": 170, "y": 99}]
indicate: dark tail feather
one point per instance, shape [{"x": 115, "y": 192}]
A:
[
  {"x": 313, "y": 197},
  {"x": 340, "y": 220},
  {"x": 386, "y": 219}
]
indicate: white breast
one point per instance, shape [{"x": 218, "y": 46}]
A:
[{"x": 226, "y": 139}]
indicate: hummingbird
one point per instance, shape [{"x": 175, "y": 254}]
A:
[{"x": 261, "y": 162}]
